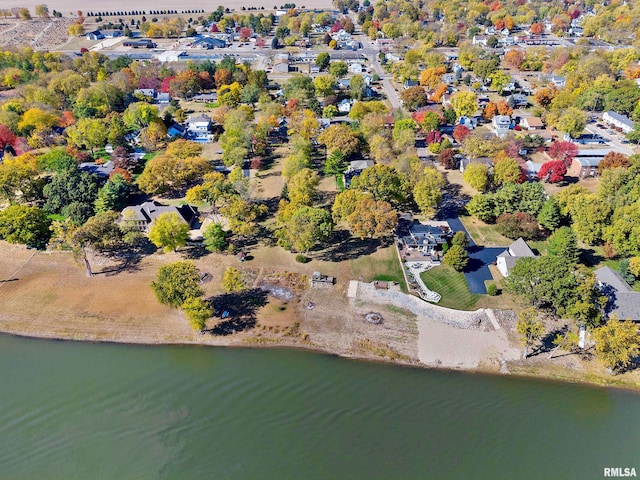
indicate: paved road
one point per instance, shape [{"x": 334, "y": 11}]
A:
[{"x": 477, "y": 270}]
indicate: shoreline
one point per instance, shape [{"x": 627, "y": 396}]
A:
[
  {"x": 582, "y": 380},
  {"x": 46, "y": 296}
]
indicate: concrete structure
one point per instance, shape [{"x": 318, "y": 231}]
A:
[
  {"x": 617, "y": 120},
  {"x": 517, "y": 250},
  {"x": 623, "y": 301}
]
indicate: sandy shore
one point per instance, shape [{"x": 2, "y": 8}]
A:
[
  {"x": 68, "y": 6},
  {"x": 442, "y": 345}
]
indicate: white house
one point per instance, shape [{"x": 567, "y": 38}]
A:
[
  {"x": 356, "y": 68},
  {"x": 501, "y": 124},
  {"x": 199, "y": 125},
  {"x": 344, "y": 106},
  {"x": 618, "y": 120},
  {"x": 517, "y": 250},
  {"x": 480, "y": 40}
]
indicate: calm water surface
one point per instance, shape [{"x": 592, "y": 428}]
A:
[{"x": 83, "y": 411}]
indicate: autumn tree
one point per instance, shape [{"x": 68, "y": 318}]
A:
[
  {"x": 232, "y": 280},
  {"x": 165, "y": 173},
  {"x": 304, "y": 228},
  {"x": 460, "y": 132},
  {"x": 430, "y": 77},
  {"x": 242, "y": 215},
  {"x": 572, "y": 121},
  {"x": 518, "y": 224},
  {"x": 564, "y": 151},
  {"x": 372, "y": 219},
  {"x": 384, "y": 183},
  {"x": 506, "y": 171},
  {"x": 340, "y": 137},
  {"x": 477, "y": 175},
  {"x": 464, "y": 103},
  {"x": 198, "y": 311},
  {"x": 177, "y": 282},
  {"x": 529, "y": 327},
  {"x": 614, "y": 160},
  {"x": 19, "y": 178},
  {"x": 544, "y": 96},
  {"x": 427, "y": 192},
  {"x": 169, "y": 231},
  {"x": 456, "y": 257},
  {"x": 25, "y": 225},
  {"x": 302, "y": 187},
  {"x": 553, "y": 171},
  {"x": 617, "y": 343},
  {"x": 514, "y": 58}
]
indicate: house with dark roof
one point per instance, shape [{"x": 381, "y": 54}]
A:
[
  {"x": 355, "y": 168},
  {"x": 98, "y": 169},
  {"x": 143, "y": 215},
  {"x": 517, "y": 250},
  {"x": 426, "y": 237},
  {"x": 622, "y": 300}
]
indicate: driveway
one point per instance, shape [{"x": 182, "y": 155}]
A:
[{"x": 477, "y": 270}]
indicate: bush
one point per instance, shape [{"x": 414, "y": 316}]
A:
[
  {"x": 519, "y": 224},
  {"x": 302, "y": 259},
  {"x": 492, "y": 290}
]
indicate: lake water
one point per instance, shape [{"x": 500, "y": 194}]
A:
[{"x": 85, "y": 411}]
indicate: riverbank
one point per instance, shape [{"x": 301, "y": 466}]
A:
[{"x": 47, "y": 295}]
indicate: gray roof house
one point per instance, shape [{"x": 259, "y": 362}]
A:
[
  {"x": 623, "y": 301},
  {"x": 507, "y": 259},
  {"x": 144, "y": 214}
]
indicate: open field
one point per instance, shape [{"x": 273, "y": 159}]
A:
[
  {"x": 68, "y": 6},
  {"x": 483, "y": 233}
]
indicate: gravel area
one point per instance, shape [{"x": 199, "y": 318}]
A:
[{"x": 456, "y": 318}]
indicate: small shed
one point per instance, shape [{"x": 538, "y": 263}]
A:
[{"x": 321, "y": 281}]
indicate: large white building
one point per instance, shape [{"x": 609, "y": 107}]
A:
[{"x": 618, "y": 120}]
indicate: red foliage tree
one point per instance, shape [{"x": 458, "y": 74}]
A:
[
  {"x": 245, "y": 32},
  {"x": 446, "y": 159},
  {"x": 433, "y": 137},
  {"x": 21, "y": 146},
  {"x": 165, "y": 87},
  {"x": 7, "y": 137},
  {"x": 214, "y": 28},
  {"x": 519, "y": 224},
  {"x": 148, "y": 82},
  {"x": 256, "y": 163},
  {"x": 564, "y": 151},
  {"x": 460, "y": 133},
  {"x": 553, "y": 171}
]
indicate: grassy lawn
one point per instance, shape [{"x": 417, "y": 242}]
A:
[
  {"x": 452, "y": 286},
  {"x": 483, "y": 233},
  {"x": 340, "y": 182},
  {"x": 382, "y": 265}
]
